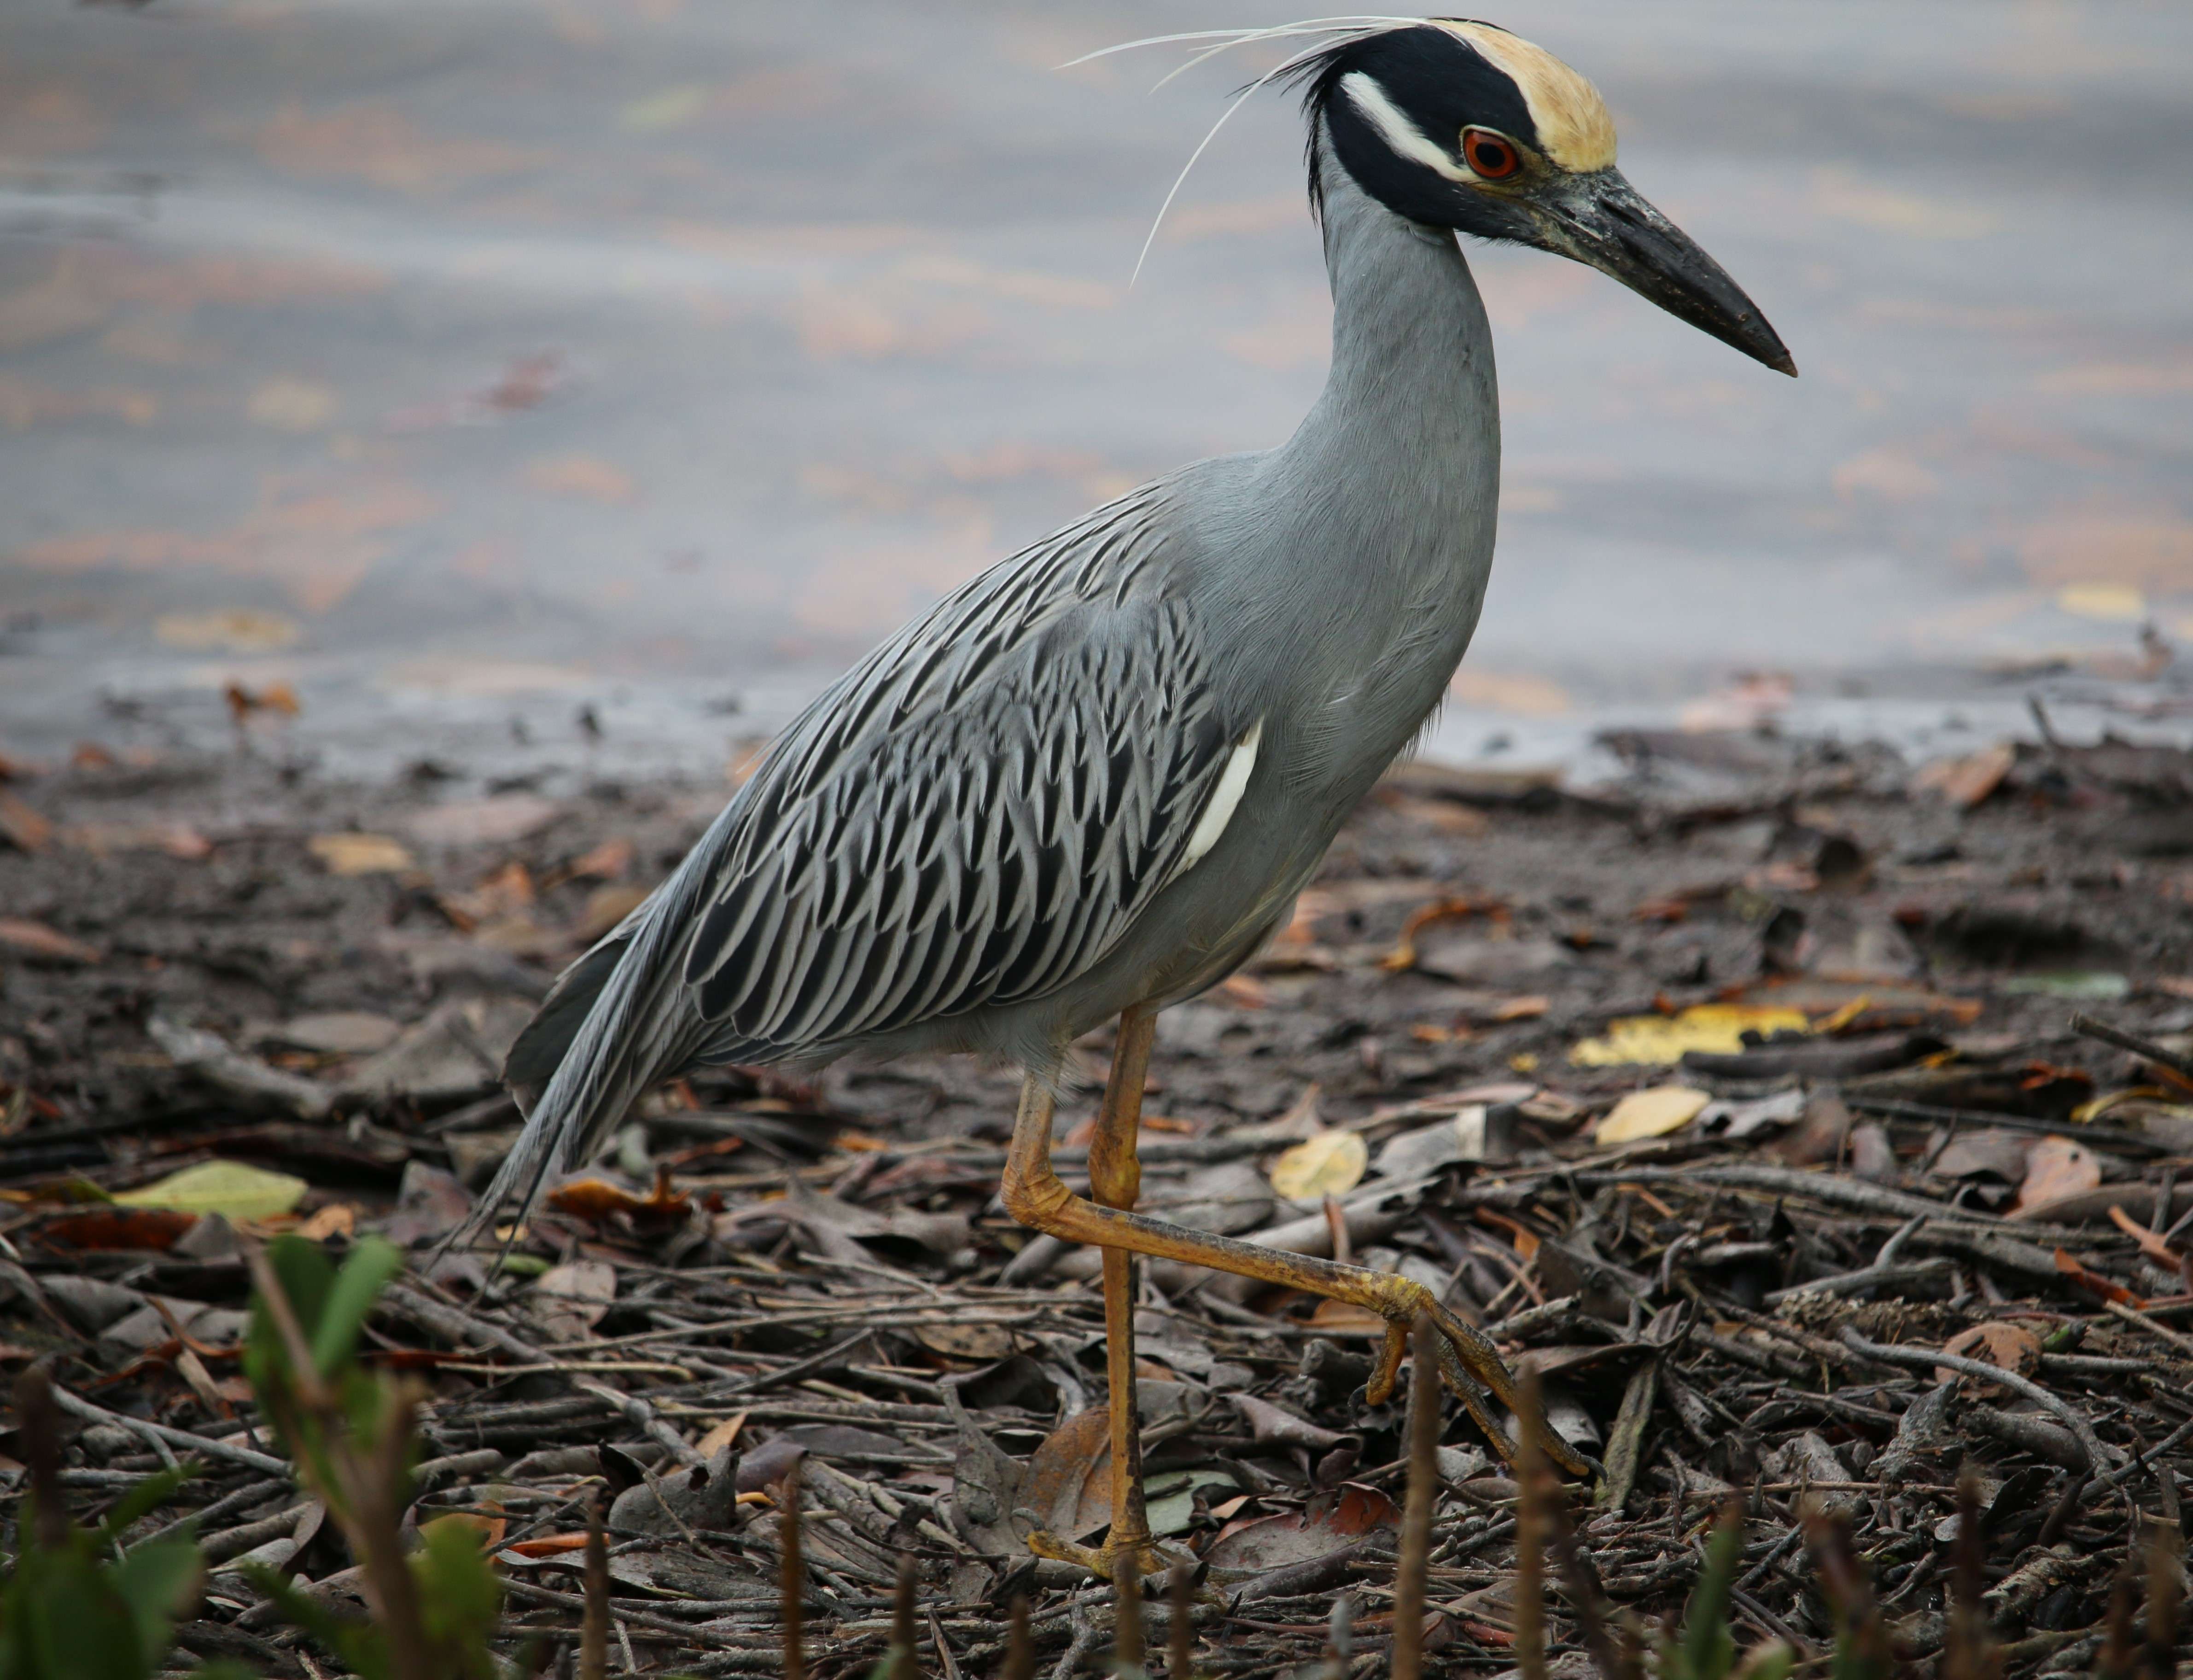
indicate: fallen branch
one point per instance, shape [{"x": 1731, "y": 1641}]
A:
[{"x": 2099, "y": 1457}]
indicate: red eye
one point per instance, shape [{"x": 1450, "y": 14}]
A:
[{"x": 1493, "y": 156}]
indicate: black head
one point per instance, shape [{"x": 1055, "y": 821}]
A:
[{"x": 1460, "y": 124}]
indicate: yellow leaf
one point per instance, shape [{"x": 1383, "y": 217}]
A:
[
  {"x": 1650, "y": 1114},
  {"x": 230, "y": 1188},
  {"x": 1717, "y": 1028},
  {"x": 1331, "y": 1163},
  {"x": 721, "y": 1436},
  {"x": 360, "y": 854}
]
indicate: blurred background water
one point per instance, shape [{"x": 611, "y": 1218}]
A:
[{"x": 523, "y": 380}]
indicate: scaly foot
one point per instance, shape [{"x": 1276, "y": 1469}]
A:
[
  {"x": 1471, "y": 1366},
  {"x": 1103, "y": 1561}
]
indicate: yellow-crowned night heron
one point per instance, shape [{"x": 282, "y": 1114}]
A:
[{"x": 1091, "y": 782}]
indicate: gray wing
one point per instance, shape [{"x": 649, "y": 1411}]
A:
[{"x": 974, "y": 816}]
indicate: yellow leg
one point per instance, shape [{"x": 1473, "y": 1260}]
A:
[
  {"x": 1471, "y": 1365},
  {"x": 1115, "y": 1177}
]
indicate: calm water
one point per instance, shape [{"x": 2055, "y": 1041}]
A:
[{"x": 463, "y": 366}]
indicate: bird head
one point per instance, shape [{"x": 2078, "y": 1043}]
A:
[{"x": 1460, "y": 124}]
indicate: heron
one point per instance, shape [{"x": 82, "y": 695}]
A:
[{"x": 1090, "y": 784}]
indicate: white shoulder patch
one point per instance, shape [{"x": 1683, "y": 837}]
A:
[{"x": 1225, "y": 798}]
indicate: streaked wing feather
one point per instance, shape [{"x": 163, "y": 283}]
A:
[{"x": 974, "y": 814}]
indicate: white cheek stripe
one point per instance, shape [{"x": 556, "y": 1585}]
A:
[
  {"x": 1225, "y": 798},
  {"x": 1393, "y": 125}
]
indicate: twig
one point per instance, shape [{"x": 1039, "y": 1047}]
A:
[
  {"x": 1180, "y": 1625},
  {"x": 209, "y": 1055},
  {"x": 900, "y": 1663},
  {"x": 1850, "y": 1282},
  {"x": 1019, "y": 1643},
  {"x": 2177, "y": 1339},
  {"x": 1411, "y": 1573},
  {"x": 264, "y": 1465},
  {"x": 438, "y": 1318},
  {"x": 1919, "y": 1359},
  {"x": 1127, "y": 1648},
  {"x": 594, "y": 1629},
  {"x": 1532, "y": 1478},
  {"x": 2087, "y": 1027},
  {"x": 794, "y": 1578}
]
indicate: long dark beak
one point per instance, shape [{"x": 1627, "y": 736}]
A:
[{"x": 1600, "y": 218}]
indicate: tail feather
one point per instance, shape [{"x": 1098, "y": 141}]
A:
[{"x": 616, "y": 1023}]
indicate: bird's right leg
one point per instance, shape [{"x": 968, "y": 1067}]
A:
[{"x": 1035, "y": 1195}]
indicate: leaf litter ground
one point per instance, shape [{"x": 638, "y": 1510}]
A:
[{"x": 1742, "y": 1102}]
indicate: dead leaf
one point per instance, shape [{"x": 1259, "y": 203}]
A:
[
  {"x": 1650, "y": 1114},
  {"x": 35, "y": 939},
  {"x": 983, "y": 1342},
  {"x": 548, "y": 1546},
  {"x": 721, "y": 1436},
  {"x": 569, "y": 1299},
  {"x": 2056, "y": 1167},
  {"x": 1262, "y": 1543},
  {"x": 1068, "y": 1484},
  {"x": 360, "y": 854},
  {"x": 498, "y": 819},
  {"x": 1967, "y": 781},
  {"x": 1716, "y": 1029},
  {"x": 233, "y": 1188},
  {"x": 2150, "y": 1242},
  {"x": 2011, "y": 1346},
  {"x": 278, "y": 698},
  {"x": 1345, "y": 1318},
  {"x": 607, "y": 906},
  {"x": 21, "y": 827},
  {"x": 337, "y": 1219},
  {"x": 158, "y": 1229},
  {"x": 598, "y": 1200},
  {"x": 1276, "y": 1426},
  {"x": 2092, "y": 1280},
  {"x": 1330, "y": 1163},
  {"x": 1993, "y": 1151},
  {"x": 611, "y": 860},
  {"x": 1403, "y": 956},
  {"x": 491, "y": 1527}
]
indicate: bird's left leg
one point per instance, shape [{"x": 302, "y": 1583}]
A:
[
  {"x": 1115, "y": 1177},
  {"x": 1472, "y": 1366}
]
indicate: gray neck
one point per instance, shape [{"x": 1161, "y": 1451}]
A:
[{"x": 1405, "y": 437}]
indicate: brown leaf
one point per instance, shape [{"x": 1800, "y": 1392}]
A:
[
  {"x": 1276, "y": 1426},
  {"x": 1966, "y": 782},
  {"x": 1069, "y": 1478},
  {"x": 497, "y": 819},
  {"x": 2088, "y": 1279},
  {"x": 571, "y": 1299},
  {"x": 611, "y": 860},
  {"x": 2011, "y": 1346},
  {"x": 135, "y": 1228},
  {"x": 1342, "y": 1318},
  {"x": 35, "y": 939},
  {"x": 1296, "y": 1537},
  {"x": 1403, "y": 956},
  {"x": 2056, "y": 1167},
  {"x": 2150, "y": 1242},
  {"x": 21, "y": 827},
  {"x": 966, "y": 1341},
  {"x": 598, "y": 1200}
]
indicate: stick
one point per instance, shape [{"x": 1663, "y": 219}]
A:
[
  {"x": 594, "y": 1627},
  {"x": 2087, "y": 1027},
  {"x": 1919, "y": 1360},
  {"x": 177, "y": 1437},
  {"x": 1409, "y": 1578}
]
